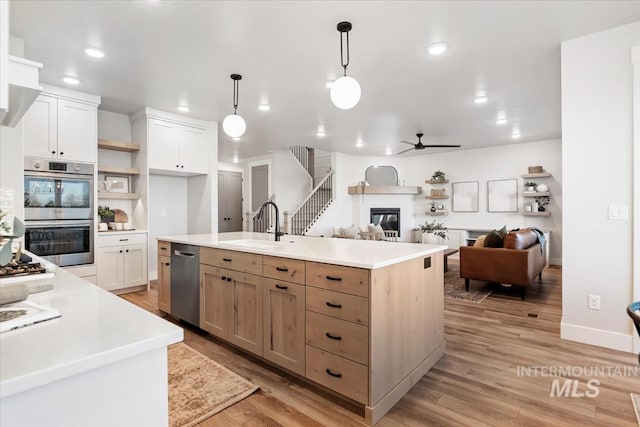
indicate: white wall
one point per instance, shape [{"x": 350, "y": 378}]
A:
[
  {"x": 597, "y": 151},
  {"x": 291, "y": 183}
]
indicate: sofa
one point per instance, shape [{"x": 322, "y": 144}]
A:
[{"x": 517, "y": 261}]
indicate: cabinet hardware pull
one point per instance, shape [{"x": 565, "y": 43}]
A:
[
  {"x": 330, "y": 304},
  {"x": 62, "y": 153},
  {"x": 127, "y": 251},
  {"x": 332, "y": 374},
  {"x": 163, "y": 249},
  {"x": 126, "y": 240},
  {"x": 184, "y": 254},
  {"x": 337, "y": 279},
  {"x": 182, "y": 166},
  {"x": 228, "y": 279},
  {"x": 166, "y": 263},
  {"x": 282, "y": 269},
  {"x": 226, "y": 259},
  {"x": 334, "y": 337},
  {"x": 53, "y": 152},
  {"x": 282, "y": 287},
  {"x": 224, "y": 278},
  {"x": 120, "y": 251},
  {"x": 177, "y": 166}
]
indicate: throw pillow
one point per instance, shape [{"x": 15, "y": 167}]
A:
[
  {"x": 338, "y": 231},
  {"x": 351, "y": 231},
  {"x": 364, "y": 228},
  {"x": 480, "y": 241},
  {"x": 376, "y": 229},
  {"x": 495, "y": 239}
]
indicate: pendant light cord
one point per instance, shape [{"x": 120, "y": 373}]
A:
[
  {"x": 236, "y": 92},
  {"x": 344, "y": 64}
]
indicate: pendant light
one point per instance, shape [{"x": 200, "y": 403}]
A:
[
  {"x": 233, "y": 124},
  {"x": 345, "y": 92}
]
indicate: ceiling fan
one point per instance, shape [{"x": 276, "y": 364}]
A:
[{"x": 421, "y": 146}]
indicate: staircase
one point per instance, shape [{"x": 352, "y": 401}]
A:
[
  {"x": 320, "y": 197},
  {"x": 260, "y": 225}
]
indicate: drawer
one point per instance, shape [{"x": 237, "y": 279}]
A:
[
  {"x": 342, "y": 338},
  {"x": 336, "y": 304},
  {"x": 233, "y": 260},
  {"x": 164, "y": 248},
  {"x": 339, "y": 374},
  {"x": 121, "y": 239},
  {"x": 290, "y": 270},
  {"x": 349, "y": 280}
]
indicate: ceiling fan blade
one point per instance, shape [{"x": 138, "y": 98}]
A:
[
  {"x": 402, "y": 152},
  {"x": 407, "y": 142},
  {"x": 442, "y": 146}
]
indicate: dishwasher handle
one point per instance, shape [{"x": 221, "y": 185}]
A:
[{"x": 184, "y": 254}]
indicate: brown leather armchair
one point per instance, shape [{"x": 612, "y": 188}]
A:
[{"x": 517, "y": 263}]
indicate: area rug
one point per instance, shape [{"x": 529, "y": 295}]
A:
[
  {"x": 200, "y": 387},
  {"x": 635, "y": 398},
  {"x": 454, "y": 286}
]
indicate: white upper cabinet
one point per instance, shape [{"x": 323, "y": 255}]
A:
[
  {"x": 193, "y": 149},
  {"x": 163, "y": 141},
  {"x": 59, "y": 128}
]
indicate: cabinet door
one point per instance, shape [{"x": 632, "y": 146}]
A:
[
  {"x": 194, "y": 150},
  {"x": 214, "y": 300},
  {"x": 164, "y": 284},
  {"x": 135, "y": 265},
  {"x": 41, "y": 128},
  {"x": 163, "y": 145},
  {"x": 109, "y": 263},
  {"x": 77, "y": 131},
  {"x": 246, "y": 312},
  {"x": 284, "y": 319}
]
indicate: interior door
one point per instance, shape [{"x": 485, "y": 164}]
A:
[
  {"x": 229, "y": 201},
  {"x": 259, "y": 186}
]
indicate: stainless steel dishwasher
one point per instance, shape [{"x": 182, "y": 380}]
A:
[{"x": 185, "y": 287}]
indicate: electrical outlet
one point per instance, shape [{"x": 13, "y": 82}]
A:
[
  {"x": 594, "y": 302},
  {"x": 163, "y": 212}
]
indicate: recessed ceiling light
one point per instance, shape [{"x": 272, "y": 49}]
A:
[
  {"x": 183, "y": 108},
  {"x": 94, "y": 53},
  {"x": 481, "y": 99},
  {"x": 321, "y": 134},
  {"x": 235, "y": 158},
  {"x": 388, "y": 152},
  {"x": 359, "y": 143},
  {"x": 437, "y": 48},
  {"x": 501, "y": 121},
  {"x": 264, "y": 107},
  {"x": 71, "y": 80},
  {"x": 515, "y": 135}
]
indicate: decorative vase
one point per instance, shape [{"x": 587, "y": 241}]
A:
[
  {"x": 531, "y": 188},
  {"x": 534, "y": 207},
  {"x": 433, "y": 209},
  {"x": 542, "y": 188},
  {"x": 430, "y": 238}
]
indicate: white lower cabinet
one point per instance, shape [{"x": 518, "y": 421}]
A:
[{"x": 122, "y": 261}]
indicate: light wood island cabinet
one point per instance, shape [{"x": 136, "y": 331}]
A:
[
  {"x": 368, "y": 335},
  {"x": 164, "y": 276}
]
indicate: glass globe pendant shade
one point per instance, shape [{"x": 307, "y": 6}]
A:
[
  {"x": 234, "y": 125},
  {"x": 345, "y": 92}
]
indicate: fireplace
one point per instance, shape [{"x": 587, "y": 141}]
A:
[{"x": 388, "y": 218}]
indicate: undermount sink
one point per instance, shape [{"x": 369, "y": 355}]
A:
[{"x": 251, "y": 243}]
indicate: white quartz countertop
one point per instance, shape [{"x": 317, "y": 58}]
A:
[
  {"x": 367, "y": 254},
  {"x": 96, "y": 328}
]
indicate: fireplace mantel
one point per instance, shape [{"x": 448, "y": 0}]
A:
[{"x": 384, "y": 189}]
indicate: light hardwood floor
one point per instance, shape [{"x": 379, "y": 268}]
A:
[{"x": 475, "y": 384}]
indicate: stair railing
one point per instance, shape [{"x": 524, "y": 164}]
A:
[{"x": 308, "y": 212}]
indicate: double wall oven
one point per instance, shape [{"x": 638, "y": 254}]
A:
[{"x": 59, "y": 210}]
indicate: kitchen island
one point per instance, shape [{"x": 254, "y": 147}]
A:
[
  {"x": 362, "y": 319},
  {"x": 102, "y": 363}
]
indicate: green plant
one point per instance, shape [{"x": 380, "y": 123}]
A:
[
  {"x": 530, "y": 184},
  {"x": 7, "y": 240},
  {"x": 435, "y": 227},
  {"x": 438, "y": 176},
  {"x": 104, "y": 211}
]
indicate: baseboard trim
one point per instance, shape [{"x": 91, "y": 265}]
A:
[
  {"x": 598, "y": 337},
  {"x": 153, "y": 275}
]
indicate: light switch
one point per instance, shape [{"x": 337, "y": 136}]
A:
[{"x": 618, "y": 212}]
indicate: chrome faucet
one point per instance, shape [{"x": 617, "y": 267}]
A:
[{"x": 278, "y": 233}]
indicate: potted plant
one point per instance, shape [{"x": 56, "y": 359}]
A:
[
  {"x": 433, "y": 232},
  {"x": 6, "y": 240},
  {"x": 530, "y": 186},
  {"x": 438, "y": 176},
  {"x": 105, "y": 214}
]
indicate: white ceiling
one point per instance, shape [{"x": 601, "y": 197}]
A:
[{"x": 160, "y": 54}]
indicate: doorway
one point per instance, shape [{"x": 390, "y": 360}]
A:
[
  {"x": 259, "y": 186},
  {"x": 229, "y": 201}
]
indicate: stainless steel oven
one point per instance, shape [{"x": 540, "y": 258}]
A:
[
  {"x": 65, "y": 243},
  {"x": 57, "y": 190}
]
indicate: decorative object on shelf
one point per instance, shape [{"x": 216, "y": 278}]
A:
[
  {"x": 105, "y": 214},
  {"x": 381, "y": 175},
  {"x": 534, "y": 206},
  {"x": 440, "y": 207},
  {"x": 433, "y": 207},
  {"x": 432, "y": 230},
  {"x": 527, "y": 208},
  {"x": 345, "y": 91},
  {"x": 438, "y": 176},
  {"x": 542, "y": 203},
  {"x": 535, "y": 169},
  {"x": 17, "y": 231},
  {"x": 234, "y": 125},
  {"x": 437, "y": 191},
  {"x": 542, "y": 188},
  {"x": 465, "y": 196},
  {"x": 421, "y": 146},
  {"x": 530, "y": 186},
  {"x": 116, "y": 184},
  {"x": 502, "y": 195}
]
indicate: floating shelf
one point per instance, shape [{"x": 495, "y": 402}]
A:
[
  {"x": 113, "y": 195},
  {"x": 436, "y": 181},
  {"x": 545, "y": 213},
  {"x": 436, "y": 213},
  {"x": 536, "y": 193},
  {"x": 537, "y": 175},
  {"x": 108, "y": 144},
  {"x": 384, "y": 189},
  {"x": 118, "y": 170},
  {"x": 446, "y": 196}
]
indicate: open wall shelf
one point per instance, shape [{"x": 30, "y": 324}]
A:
[{"x": 108, "y": 144}]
